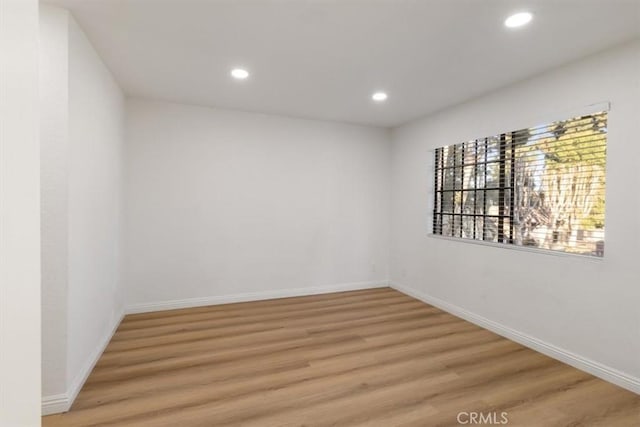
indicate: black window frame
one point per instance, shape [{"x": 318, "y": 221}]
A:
[{"x": 502, "y": 187}]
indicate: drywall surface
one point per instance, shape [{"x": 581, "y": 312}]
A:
[
  {"x": 585, "y": 307},
  {"x": 222, "y": 203},
  {"x": 20, "y": 215},
  {"x": 95, "y": 147},
  {"x": 54, "y": 151}
]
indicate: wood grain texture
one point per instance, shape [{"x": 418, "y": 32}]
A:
[{"x": 363, "y": 358}]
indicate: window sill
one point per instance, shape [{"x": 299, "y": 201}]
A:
[{"x": 585, "y": 257}]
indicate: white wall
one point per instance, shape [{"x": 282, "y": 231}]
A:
[
  {"x": 95, "y": 298},
  {"x": 82, "y": 121},
  {"x": 589, "y": 308},
  {"x": 222, "y": 203},
  {"x": 20, "y": 213},
  {"x": 54, "y": 151}
]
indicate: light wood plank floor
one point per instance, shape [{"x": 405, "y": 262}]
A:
[{"x": 365, "y": 358}]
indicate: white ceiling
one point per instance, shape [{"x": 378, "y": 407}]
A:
[{"x": 323, "y": 59}]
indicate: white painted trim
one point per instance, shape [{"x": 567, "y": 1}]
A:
[
  {"x": 512, "y": 247},
  {"x": 55, "y": 404},
  {"x": 526, "y": 123},
  {"x": 62, "y": 402},
  {"x": 252, "y": 296},
  {"x": 607, "y": 373},
  {"x": 82, "y": 376}
]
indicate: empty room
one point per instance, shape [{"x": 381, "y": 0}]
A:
[{"x": 320, "y": 213}]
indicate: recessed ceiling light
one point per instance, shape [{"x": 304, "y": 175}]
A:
[
  {"x": 518, "y": 19},
  {"x": 379, "y": 96},
  {"x": 239, "y": 73}
]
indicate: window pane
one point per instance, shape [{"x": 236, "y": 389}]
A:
[
  {"x": 447, "y": 201},
  {"x": 541, "y": 187},
  {"x": 490, "y": 229},
  {"x": 479, "y": 227},
  {"x": 467, "y": 227}
]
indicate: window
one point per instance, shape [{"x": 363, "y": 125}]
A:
[{"x": 541, "y": 187}]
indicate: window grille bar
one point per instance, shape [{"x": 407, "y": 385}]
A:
[
  {"x": 435, "y": 195},
  {"x": 462, "y": 187},
  {"x": 442, "y": 184},
  {"x": 501, "y": 178},
  {"x": 475, "y": 186},
  {"x": 512, "y": 192},
  {"x": 470, "y": 215},
  {"x": 484, "y": 196}
]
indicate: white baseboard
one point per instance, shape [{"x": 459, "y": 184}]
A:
[
  {"x": 607, "y": 373},
  {"x": 55, "y": 404},
  {"x": 62, "y": 402},
  {"x": 58, "y": 403},
  {"x": 252, "y": 296}
]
